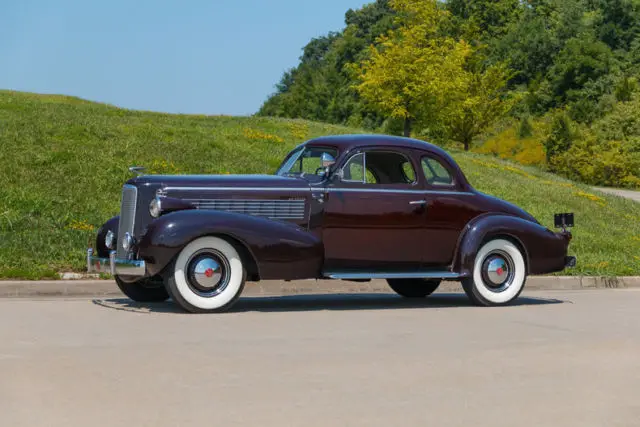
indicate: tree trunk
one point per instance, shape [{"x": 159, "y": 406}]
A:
[
  {"x": 407, "y": 127},
  {"x": 467, "y": 144}
]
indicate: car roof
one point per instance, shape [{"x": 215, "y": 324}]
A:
[{"x": 348, "y": 142}]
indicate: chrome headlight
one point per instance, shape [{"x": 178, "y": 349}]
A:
[
  {"x": 155, "y": 207},
  {"x": 127, "y": 242},
  {"x": 109, "y": 239}
]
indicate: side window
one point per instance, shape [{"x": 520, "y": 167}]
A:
[
  {"x": 435, "y": 172},
  {"x": 379, "y": 167},
  {"x": 408, "y": 171},
  {"x": 353, "y": 171}
]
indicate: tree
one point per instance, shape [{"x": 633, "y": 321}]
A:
[
  {"x": 413, "y": 69},
  {"x": 484, "y": 18},
  {"x": 482, "y": 100},
  {"x": 319, "y": 88},
  {"x": 561, "y": 136}
]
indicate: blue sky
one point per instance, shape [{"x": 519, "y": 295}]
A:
[{"x": 190, "y": 56}]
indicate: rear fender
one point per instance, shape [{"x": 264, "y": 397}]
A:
[
  {"x": 543, "y": 250},
  {"x": 279, "y": 250}
]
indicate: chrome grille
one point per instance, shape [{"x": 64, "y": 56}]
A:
[
  {"x": 127, "y": 216},
  {"x": 269, "y": 208}
]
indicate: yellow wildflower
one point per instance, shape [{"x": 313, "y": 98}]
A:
[
  {"x": 81, "y": 226},
  {"x": 256, "y": 134},
  {"x": 592, "y": 197},
  {"x": 300, "y": 131}
]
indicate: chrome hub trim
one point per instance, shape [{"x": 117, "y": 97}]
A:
[
  {"x": 498, "y": 271},
  {"x": 208, "y": 272}
]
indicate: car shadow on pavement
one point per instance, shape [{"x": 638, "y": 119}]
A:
[{"x": 321, "y": 302}]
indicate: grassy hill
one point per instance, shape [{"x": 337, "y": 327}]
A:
[{"x": 63, "y": 161}]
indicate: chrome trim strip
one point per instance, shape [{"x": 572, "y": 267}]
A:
[
  {"x": 115, "y": 266},
  {"x": 388, "y": 275},
  {"x": 330, "y": 190},
  {"x": 296, "y": 189},
  {"x": 384, "y": 190}
]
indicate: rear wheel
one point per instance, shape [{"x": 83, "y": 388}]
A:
[
  {"x": 414, "y": 288},
  {"x": 146, "y": 290},
  {"x": 499, "y": 274},
  {"x": 207, "y": 276}
]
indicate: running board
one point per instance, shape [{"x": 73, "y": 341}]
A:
[{"x": 343, "y": 275}]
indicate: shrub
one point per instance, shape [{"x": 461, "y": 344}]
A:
[
  {"x": 510, "y": 144},
  {"x": 560, "y": 137},
  {"x": 599, "y": 163}
]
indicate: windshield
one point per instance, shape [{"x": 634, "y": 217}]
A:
[{"x": 308, "y": 161}]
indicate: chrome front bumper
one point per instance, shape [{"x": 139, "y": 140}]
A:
[{"x": 114, "y": 266}]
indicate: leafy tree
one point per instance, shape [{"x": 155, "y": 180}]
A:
[
  {"x": 449, "y": 68},
  {"x": 583, "y": 59},
  {"x": 319, "y": 88},
  {"x": 484, "y": 18},
  {"x": 482, "y": 100},
  {"x": 413, "y": 69}
]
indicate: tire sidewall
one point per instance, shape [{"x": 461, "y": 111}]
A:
[
  {"x": 414, "y": 288},
  {"x": 190, "y": 300},
  {"x": 143, "y": 290},
  {"x": 520, "y": 274}
]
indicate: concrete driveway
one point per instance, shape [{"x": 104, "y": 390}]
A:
[
  {"x": 559, "y": 358},
  {"x": 627, "y": 194}
]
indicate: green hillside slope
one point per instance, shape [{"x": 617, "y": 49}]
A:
[{"x": 63, "y": 161}]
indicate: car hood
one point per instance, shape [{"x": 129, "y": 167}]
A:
[{"x": 226, "y": 181}]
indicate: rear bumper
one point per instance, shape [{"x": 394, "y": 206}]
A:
[{"x": 115, "y": 266}]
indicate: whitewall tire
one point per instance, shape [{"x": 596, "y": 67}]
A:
[
  {"x": 499, "y": 274},
  {"x": 208, "y": 275}
]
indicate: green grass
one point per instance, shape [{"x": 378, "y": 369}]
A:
[{"x": 63, "y": 161}]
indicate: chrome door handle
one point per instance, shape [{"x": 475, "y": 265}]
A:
[{"x": 418, "y": 202}]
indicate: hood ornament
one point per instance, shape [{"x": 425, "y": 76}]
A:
[{"x": 138, "y": 170}]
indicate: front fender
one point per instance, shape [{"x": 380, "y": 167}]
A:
[
  {"x": 101, "y": 250},
  {"x": 280, "y": 250},
  {"x": 544, "y": 251}
]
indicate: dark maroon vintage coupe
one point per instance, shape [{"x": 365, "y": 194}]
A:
[{"x": 356, "y": 207}]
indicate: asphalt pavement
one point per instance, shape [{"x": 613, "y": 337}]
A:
[{"x": 557, "y": 358}]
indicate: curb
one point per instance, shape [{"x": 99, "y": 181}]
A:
[{"x": 103, "y": 288}]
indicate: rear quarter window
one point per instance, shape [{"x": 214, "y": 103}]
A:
[{"x": 436, "y": 173}]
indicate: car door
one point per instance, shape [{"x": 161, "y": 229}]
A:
[
  {"x": 373, "y": 217},
  {"x": 447, "y": 212}
]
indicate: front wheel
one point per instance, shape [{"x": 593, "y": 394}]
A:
[
  {"x": 414, "y": 288},
  {"x": 207, "y": 276},
  {"x": 499, "y": 274},
  {"x": 146, "y": 290}
]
